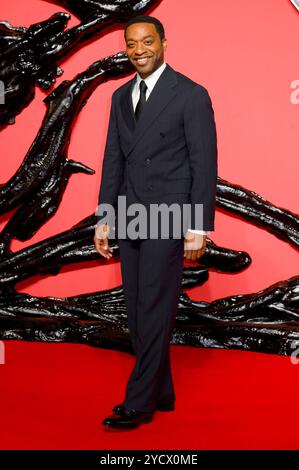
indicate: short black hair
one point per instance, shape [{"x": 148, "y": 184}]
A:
[{"x": 147, "y": 19}]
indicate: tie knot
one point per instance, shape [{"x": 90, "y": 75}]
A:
[{"x": 142, "y": 86}]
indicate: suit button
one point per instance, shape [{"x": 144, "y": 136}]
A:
[
  {"x": 150, "y": 187},
  {"x": 147, "y": 160}
]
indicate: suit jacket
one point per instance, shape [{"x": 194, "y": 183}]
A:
[{"x": 168, "y": 156}]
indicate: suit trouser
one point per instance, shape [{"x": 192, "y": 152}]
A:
[{"x": 152, "y": 272}]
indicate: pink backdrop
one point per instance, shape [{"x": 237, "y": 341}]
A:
[{"x": 246, "y": 54}]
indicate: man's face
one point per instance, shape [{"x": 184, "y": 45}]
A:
[{"x": 144, "y": 48}]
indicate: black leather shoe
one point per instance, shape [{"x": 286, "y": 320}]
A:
[
  {"x": 160, "y": 406},
  {"x": 128, "y": 419}
]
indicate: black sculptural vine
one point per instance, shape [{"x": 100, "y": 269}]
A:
[
  {"x": 29, "y": 56},
  {"x": 121, "y": 10},
  {"x": 43, "y": 175},
  {"x": 265, "y": 321},
  {"x": 76, "y": 245},
  {"x": 253, "y": 322},
  {"x": 42, "y": 204}
]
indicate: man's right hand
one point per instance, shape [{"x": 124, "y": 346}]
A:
[{"x": 101, "y": 240}]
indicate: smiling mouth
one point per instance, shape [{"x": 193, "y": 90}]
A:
[{"x": 142, "y": 60}]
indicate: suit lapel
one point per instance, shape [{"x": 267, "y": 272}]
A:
[
  {"x": 127, "y": 105},
  {"x": 163, "y": 92}
]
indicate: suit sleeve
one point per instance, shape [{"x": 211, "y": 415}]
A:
[
  {"x": 112, "y": 168},
  {"x": 201, "y": 139}
]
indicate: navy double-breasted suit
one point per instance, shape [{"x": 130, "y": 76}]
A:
[{"x": 168, "y": 156}]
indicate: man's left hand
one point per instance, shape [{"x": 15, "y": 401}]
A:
[{"x": 194, "y": 245}]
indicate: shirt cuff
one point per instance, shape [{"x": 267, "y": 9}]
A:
[{"x": 200, "y": 232}]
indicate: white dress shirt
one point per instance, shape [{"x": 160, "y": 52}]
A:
[{"x": 150, "y": 81}]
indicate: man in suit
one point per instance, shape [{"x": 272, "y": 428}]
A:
[{"x": 161, "y": 148}]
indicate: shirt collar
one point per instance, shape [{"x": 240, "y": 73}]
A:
[{"x": 151, "y": 79}]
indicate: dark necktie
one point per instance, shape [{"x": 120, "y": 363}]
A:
[{"x": 142, "y": 99}]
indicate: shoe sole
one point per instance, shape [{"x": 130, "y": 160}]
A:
[{"x": 128, "y": 426}]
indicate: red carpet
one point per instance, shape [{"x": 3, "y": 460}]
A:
[{"x": 54, "y": 396}]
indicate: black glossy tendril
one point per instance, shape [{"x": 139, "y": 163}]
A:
[{"x": 30, "y": 56}]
